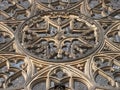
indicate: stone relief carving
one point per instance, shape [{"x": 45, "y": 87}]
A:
[{"x": 59, "y": 44}]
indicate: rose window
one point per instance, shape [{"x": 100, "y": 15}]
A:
[
  {"x": 59, "y": 44},
  {"x": 59, "y": 38}
]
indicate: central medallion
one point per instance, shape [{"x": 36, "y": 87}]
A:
[{"x": 59, "y": 37}]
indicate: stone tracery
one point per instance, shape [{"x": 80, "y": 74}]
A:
[
  {"x": 67, "y": 44},
  {"x": 60, "y": 37}
]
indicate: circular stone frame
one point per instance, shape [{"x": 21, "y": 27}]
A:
[{"x": 36, "y": 17}]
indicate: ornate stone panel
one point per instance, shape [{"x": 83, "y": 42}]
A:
[
  {"x": 59, "y": 44},
  {"x": 58, "y": 4},
  {"x": 103, "y": 8},
  {"x": 54, "y": 37},
  {"x": 14, "y": 70}
]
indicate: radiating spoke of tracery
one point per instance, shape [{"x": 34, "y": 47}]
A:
[
  {"x": 14, "y": 9},
  {"x": 13, "y": 12},
  {"x": 59, "y": 37},
  {"x": 113, "y": 35},
  {"x": 13, "y": 71},
  {"x": 58, "y": 78},
  {"x": 103, "y": 8},
  {"x": 6, "y": 37},
  {"x": 106, "y": 70},
  {"x": 57, "y": 4}
]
